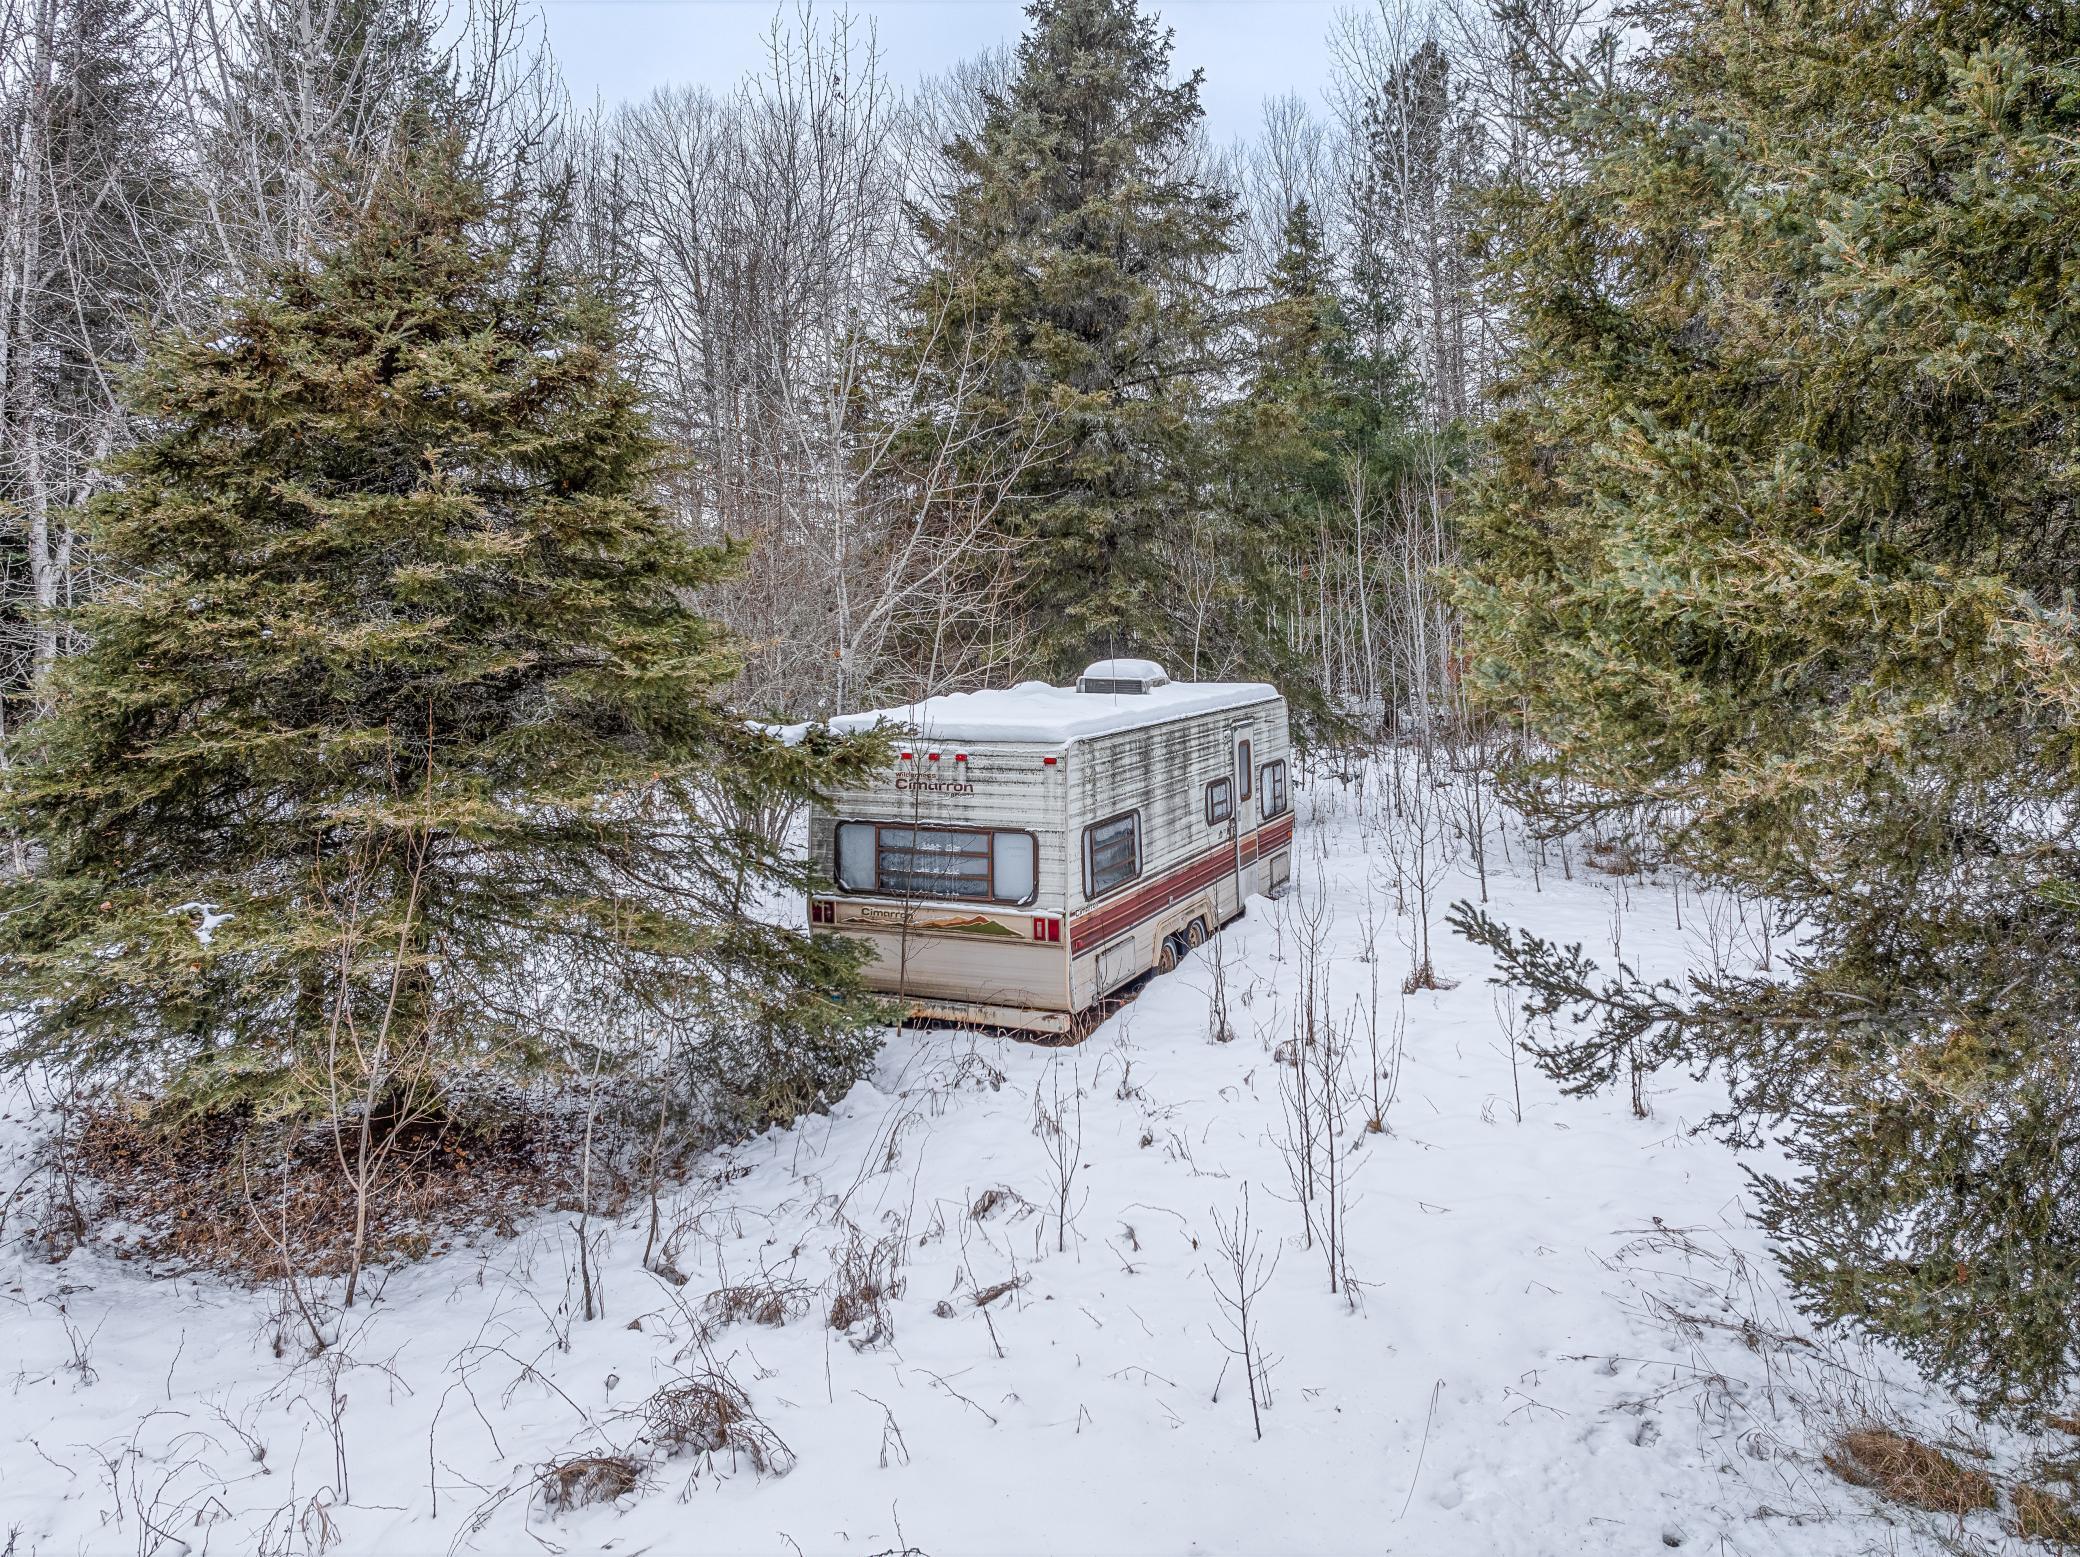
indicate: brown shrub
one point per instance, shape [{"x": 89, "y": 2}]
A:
[
  {"x": 1911, "y": 1472},
  {"x": 225, "y": 1193},
  {"x": 708, "y": 1414},
  {"x": 767, "y": 1301},
  {"x": 863, "y": 1282},
  {"x": 588, "y": 1478}
]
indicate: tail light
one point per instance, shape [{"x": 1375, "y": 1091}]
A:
[
  {"x": 822, "y": 911},
  {"x": 1047, "y": 930}
]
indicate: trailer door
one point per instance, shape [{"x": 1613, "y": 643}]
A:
[{"x": 1228, "y": 900}]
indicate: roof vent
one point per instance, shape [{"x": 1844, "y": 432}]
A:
[{"x": 1129, "y": 676}]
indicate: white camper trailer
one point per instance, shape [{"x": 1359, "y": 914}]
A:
[{"x": 1033, "y": 849}]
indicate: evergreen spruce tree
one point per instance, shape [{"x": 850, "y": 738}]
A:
[
  {"x": 1301, "y": 405},
  {"x": 1311, "y": 451},
  {"x": 1777, "y": 558},
  {"x": 398, "y": 745},
  {"x": 1073, "y": 262},
  {"x": 1417, "y": 159}
]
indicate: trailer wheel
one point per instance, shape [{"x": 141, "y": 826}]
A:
[
  {"x": 1195, "y": 934},
  {"x": 1166, "y": 955}
]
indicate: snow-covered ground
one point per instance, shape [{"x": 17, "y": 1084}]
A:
[{"x": 1565, "y": 1336}]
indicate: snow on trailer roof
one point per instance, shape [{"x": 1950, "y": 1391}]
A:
[{"x": 1037, "y": 712}]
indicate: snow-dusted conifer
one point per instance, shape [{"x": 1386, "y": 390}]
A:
[
  {"x": 399, "y": 671},
  {"x": 1778, "y": 553},
  {"x": 1075, "y": 257}
]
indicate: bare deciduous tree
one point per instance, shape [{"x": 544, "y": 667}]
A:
[
  {"x": 756, "y": 237},
  {"x": 89, "y": 238},
  {"x": 1058, "y": 1122},
  {"x": 1240, "y": 1281}
]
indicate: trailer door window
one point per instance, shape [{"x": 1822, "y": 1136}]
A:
[
  {"x": 1242, "y": 768},
  {"x": 1220, "y": 801},
  {"x": 855, "y": 871},
  {"x": 1274, "y": 776},
  {"x": 1111, "y": 853},
  {"x": 1015, "y": 864}
]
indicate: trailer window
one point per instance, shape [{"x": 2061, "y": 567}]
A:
[
  {"x": 934, "y": 862},
  {"x": 1111, "y": 853},
  {"x": 1242, "y": 769},
  {"x": 1274, "y": 777},
  {"x": 1015, "y": 863},
  {"x": 974, "y": 865},
  {"x": 1220, "y": 801},
  {"x": 855, "y": 872}
]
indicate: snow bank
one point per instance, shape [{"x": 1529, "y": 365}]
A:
[{"x": 1566, "y": 1336}]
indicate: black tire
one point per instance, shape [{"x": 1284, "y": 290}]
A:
[
  {"x": 1166, "y": 955},
  {"x": 1195, "y": 934}
]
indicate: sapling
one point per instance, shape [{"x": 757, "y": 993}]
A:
[
  {"x": 1240, "y": 1280},
  {"x": 1422, "y": 844},
  {"x": 1316, "y": 1099},
  {"x": 379, "y": 1078},
  {"x": 1296, "y": 1145},
  {"x": 1473, "y": 800},
  {"x": 1219, "y": 1026},
  {"x": 1385, "y": 1067},
  {"x": 1060, "y": 1129},
  {"x": 1332, "y": 1101},
  {"x": 1510, "y": 1016},
  {"x": 591, "y": 1294}
]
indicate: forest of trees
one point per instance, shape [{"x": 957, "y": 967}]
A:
[{"x": 421, "y": 500}]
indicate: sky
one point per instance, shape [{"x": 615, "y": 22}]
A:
[{"x": 621, "y": 50}]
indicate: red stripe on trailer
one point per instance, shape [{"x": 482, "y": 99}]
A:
[
  {"x": 1266, "y": 838},
  {"x": 1181, "y": 881}
]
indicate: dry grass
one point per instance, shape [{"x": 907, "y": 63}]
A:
[
  {"x": 226, "y": 1195},
  {"x": 2047, "y": 1516},
  {"x": 972, "y": 1070},
  {"x": 995, "y": 1199},
  {"x": 588, "y": 1478},
  {"x": 1426, "y": 976},
  {"x": 767, "y": 1301},
  {"x": 1910, "y": 1472},
  {"x": 864, "y": 1280},
  {"x": 1613, "y": 857},
  {"x": 708, "y": 1414},
  {"x": 990, "y": 1294},
  {"x": 2046, "y": 1497}
]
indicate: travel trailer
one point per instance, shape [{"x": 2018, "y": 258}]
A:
[{"x": 1032, "y": 849}]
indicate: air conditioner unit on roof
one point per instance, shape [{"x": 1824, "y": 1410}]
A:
[{"x": 1128, "y": 676}]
